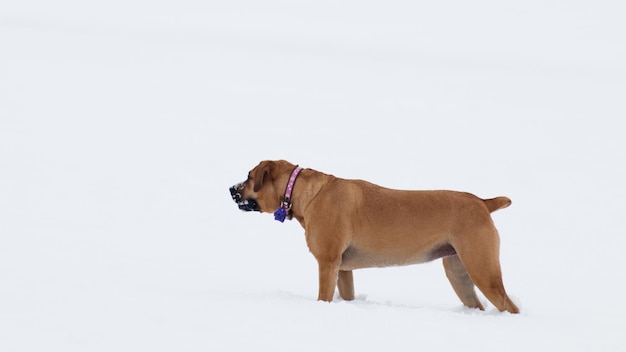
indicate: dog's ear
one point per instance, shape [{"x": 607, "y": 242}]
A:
[{"x": 261, "y": 175}]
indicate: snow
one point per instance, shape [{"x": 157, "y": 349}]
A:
[{"x": 124, "y": 123}]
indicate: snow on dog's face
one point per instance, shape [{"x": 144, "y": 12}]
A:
[
  {"x": 257, "y": 192},
  {"x": 245, "y": 204}
]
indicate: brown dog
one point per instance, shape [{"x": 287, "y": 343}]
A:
[{"x": 354, "y": 224}]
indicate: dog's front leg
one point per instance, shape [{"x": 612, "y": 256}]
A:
[
  {"x": 346, "y": 285},
  {"x": 328, "y": 272}
]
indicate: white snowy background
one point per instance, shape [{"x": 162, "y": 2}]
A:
[{"x": 123, "y": 123}]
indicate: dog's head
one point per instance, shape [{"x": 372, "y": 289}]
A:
[{"x": 264, "y": 188}]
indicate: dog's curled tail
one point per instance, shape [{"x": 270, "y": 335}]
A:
[{"x": 497, "y": 203}]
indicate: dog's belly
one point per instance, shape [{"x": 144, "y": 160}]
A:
[{"x": 355, "y": 258}]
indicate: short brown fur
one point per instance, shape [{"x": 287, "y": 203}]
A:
[{"x": 354, "y": 224}]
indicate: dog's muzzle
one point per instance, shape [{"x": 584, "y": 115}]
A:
[{"x": 244, "y": 204}]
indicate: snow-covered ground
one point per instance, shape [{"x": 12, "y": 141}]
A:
[{"x": 123, "y": 123}]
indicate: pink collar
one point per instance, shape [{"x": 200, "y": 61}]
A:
[{"x": 284, "y": 210}]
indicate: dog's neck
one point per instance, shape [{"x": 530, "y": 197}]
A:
[{"x": 305, "y": 193}]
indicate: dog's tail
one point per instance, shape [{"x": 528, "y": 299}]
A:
[{"x": 497, "y": 203}]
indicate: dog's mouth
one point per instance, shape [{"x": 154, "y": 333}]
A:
[
  {"x": 243, "y": 204},
  {"x": 248, "y": 205}
]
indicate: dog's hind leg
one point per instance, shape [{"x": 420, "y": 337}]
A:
[
  {"x": 479, "y": 253},
  {"x": 346, "y": 285},
  {"x": 461, "y": 282}
]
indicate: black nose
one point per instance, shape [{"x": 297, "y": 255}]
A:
[{"x": 235, "y": 194}]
